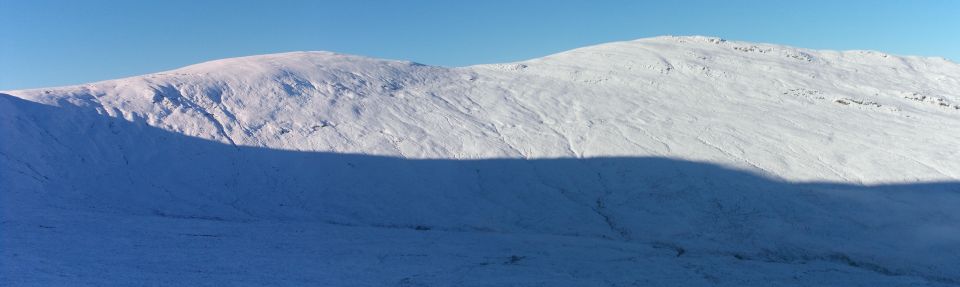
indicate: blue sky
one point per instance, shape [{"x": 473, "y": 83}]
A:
[{"x": 52, "y": 43}]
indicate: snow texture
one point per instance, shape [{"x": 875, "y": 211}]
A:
[{"x": 666, "y": 161}]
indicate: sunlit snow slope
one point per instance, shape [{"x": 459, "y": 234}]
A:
[{"x": 660, "y": 161}]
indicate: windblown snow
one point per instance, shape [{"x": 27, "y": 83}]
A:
[{"x": 661, "y": 161}]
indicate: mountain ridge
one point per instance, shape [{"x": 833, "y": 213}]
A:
[{"x": 699, "y": 39}]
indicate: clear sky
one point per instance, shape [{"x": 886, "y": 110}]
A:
[{"x": 53, "y": 43}]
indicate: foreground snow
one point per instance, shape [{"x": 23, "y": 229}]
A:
[
  {"x": 662, "y": 161},
  {"x": 79, "y": 249}
]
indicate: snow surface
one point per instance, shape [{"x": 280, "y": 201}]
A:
[{"x": 661, "y": 161}]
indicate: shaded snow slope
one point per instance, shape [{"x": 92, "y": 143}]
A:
[{"x": 700, "y": 160}]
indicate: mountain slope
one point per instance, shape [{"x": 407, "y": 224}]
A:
[
  {"x": 835, "y": 167},
  {"x": 680, "y": 97}
]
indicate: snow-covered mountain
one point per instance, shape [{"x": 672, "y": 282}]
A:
[{"x": 660, "y": 161}]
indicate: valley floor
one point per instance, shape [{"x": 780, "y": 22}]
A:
[{"x": 94, "y": 249}]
